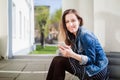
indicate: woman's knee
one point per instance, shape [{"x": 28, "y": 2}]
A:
[{"x": 59, "y": 59}]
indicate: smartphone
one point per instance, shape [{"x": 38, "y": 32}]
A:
[{"x": 60, "y": 44}]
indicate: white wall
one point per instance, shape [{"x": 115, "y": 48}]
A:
[
  {"x": 70, "y": 4},
  {"x": 106, "y": 25},
  {"x": 23, "y": 38},
  {"x": 85, "y": 9},
  {"x": 16, "y": 31},
  {"x": 86, "y": 12},
  {"x": 3, "y": 27},
  {"x": 101, "y": 17}
]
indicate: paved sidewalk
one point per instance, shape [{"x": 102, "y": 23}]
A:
[{"x": 26, "y": 68}]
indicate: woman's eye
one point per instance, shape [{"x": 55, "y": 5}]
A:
[
  {"x": 73, "y": 20},
  {"x": 67, "y": 22}
]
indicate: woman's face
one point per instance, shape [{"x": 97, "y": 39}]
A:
[{"x": 72, "y": 23}]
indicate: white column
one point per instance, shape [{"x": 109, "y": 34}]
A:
[
  {"x": 9, "y": 41},
  {"x": 3, "y": 28},
  {"x": 70, "y": 4},
  {"x": 86, "y": 12}
]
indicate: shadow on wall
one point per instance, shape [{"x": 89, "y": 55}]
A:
[
  {"x": 3, "y": 47},
  {"x": 112, "y": 30}
]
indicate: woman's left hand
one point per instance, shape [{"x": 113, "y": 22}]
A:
[{"x": 66, "y": 50}]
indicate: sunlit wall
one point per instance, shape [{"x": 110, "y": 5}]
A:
[
  {"x": 101, "y": 17},
  {"x": 22, "y": 26}
]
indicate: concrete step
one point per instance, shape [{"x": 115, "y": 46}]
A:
[
  {"x": 39, "y": 56},
  {"x": 28, "y": 67}
]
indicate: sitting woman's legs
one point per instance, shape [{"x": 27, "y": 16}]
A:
[
  {"x": 61, "y": 64},
  {"x": 58, "y": 67}
]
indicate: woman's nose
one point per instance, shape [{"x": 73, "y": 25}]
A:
[{"x": 70, "y": 23}]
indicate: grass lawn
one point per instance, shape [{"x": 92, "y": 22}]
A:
[{"x": 45, "y": 50}]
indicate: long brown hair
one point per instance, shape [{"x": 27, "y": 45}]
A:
[{"x": 63, "y": 30}]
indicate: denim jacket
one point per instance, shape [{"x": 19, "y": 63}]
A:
[{"x": 86, "y": 43}]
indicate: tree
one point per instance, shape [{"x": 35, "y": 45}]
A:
[
  {"x": 56, "y": 17},
  {"x": 41, "y": 16},
  {"x": 54, "y": 20}
]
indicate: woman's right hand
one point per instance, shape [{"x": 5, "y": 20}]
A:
[{"x": 65, "y": 50}]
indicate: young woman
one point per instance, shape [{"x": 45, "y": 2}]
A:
[{"x": 82, "y": 55}]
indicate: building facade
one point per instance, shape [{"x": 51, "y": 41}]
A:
[{"x": 16, "y": 27}]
